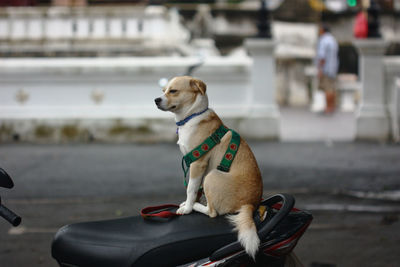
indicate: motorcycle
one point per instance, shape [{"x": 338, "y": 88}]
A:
[
  {"x": 157, "y": 239},
  {"x": 10, "y": 216}
]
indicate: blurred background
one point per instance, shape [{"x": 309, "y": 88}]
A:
[
  {"x": 79, "y": 128},
  {"x": 89, "y": 70}
]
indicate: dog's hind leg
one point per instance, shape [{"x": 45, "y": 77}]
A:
[
  {"x": 200, "y": 208},
  {"x": 207, "y": 210},
  {"x": 218, "y": 191}
]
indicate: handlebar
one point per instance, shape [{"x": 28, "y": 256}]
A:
[
  {"x": 9, "y": 215},
  {"x": 287, "y": 205}
]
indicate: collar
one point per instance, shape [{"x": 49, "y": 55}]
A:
[{"x": 188, "y": 118}]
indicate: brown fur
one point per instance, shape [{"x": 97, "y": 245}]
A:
[{"x": 227, "y": 192}]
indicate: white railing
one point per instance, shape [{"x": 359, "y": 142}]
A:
[
  {"x": 65, "y": 28},
  {"x": 392, "y": 93},
  {"x": 395, "y": 110}
]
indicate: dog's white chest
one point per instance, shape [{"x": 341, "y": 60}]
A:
[{"x": 185, "y": 132}]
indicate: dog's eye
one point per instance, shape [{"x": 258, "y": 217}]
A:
[{"x": 173, "y": 91}]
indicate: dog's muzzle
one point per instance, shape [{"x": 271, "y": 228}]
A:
[
  {"x": 159, "y": 105},
  {"x": 158, "y": 101}
]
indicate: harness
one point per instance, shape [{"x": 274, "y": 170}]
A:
[
  {"x": 208, "y": 144},
  {"x": 165, "y": 211}
]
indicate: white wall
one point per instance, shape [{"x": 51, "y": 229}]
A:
[{"x": 57, "y": 91}]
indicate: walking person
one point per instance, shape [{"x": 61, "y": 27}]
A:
[{"x": 327, "y": 64}]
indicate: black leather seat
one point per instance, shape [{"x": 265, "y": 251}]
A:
[{"x": 134, "y": 241}]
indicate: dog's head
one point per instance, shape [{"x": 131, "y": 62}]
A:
[{"x": 182, "y": 94}]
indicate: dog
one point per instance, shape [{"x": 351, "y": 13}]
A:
[{"x": 238, "y": 190}]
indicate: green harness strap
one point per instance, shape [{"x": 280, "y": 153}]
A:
[
  {"x": 207, "y": 145},
  {"x": 230, "y": 153}
]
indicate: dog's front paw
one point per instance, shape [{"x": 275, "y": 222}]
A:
[{"x": 184, "y": 210}]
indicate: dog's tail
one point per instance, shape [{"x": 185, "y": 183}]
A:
[{"x": 247, "y": 232}]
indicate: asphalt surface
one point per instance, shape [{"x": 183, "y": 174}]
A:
[{"x": 352, "y": 189}]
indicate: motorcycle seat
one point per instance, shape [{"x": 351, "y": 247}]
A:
[{"x": 134, "y": 241}]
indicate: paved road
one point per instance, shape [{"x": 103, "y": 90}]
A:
[
  {"x": 351, "y": 188},
  {"x": 120, "y": 170}
]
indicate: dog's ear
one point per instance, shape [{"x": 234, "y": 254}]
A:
[{"x": 198, "y": 85}]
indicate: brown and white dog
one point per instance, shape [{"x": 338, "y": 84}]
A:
[{"x": 238, "y": 190}]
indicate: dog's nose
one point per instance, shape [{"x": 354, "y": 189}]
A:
[{"x": 157, "y": 100}]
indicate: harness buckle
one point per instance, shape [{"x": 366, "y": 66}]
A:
[
  {"x": 214, "y": 136},
  {"x": 223, "y": 168}
]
